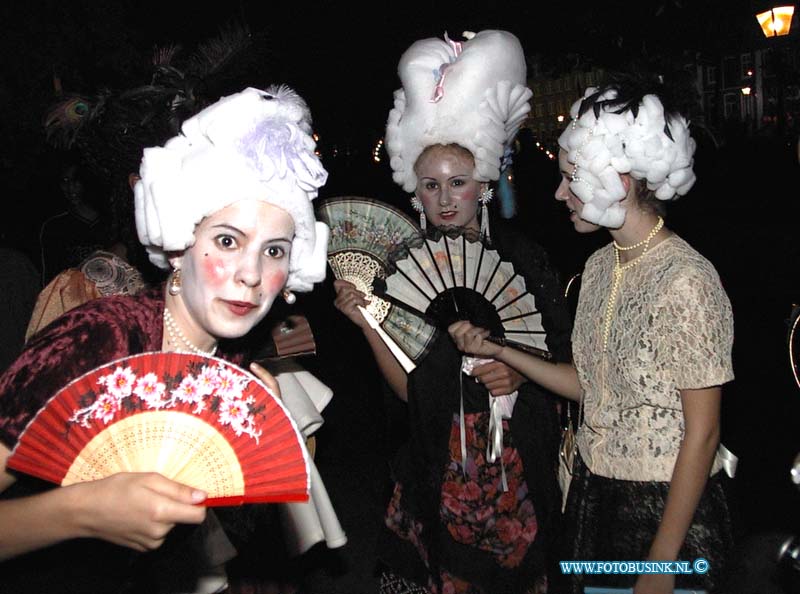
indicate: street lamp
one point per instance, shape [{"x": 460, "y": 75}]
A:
[{"x": 777, "y": 21}]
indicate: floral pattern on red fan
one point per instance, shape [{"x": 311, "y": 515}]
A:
[{"x": 214, "y": 387}]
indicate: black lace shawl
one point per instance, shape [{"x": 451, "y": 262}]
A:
[{"x": 433, "y": 398}]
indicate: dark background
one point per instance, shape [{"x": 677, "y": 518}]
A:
[{"x": 742, "y": 214}]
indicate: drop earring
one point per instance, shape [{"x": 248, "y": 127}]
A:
[
  {"x": 485, "y": 198},
  {"x": 175, "y": 282},
  {"x": 416, "y": 204},
  {"x": 288, "y": 296}
]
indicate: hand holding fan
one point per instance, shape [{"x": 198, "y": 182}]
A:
[
  {"x": 197, "y": 420},
  {"x": 363, "y": 233}
]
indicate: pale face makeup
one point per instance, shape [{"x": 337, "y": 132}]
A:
[
  {"x": 446, "y": 188},
  {"x": 233, "y": 272},
  {"x": 565, "y": 195}
]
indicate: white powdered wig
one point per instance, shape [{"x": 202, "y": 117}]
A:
[
  {"x": 601, "y": 148},
  {"x": 253, "y": 145},
  {"x": 470, "y": 93}
]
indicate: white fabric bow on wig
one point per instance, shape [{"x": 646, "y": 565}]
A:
[
  {"x": 604, "y": 146},
  {"x": 253, "y": 145},
  {"x": 470, "y": 93}
]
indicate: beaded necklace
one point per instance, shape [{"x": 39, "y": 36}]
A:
[
  {"x": 617, "y": 276},
  {"x": 176, "y": 336}
]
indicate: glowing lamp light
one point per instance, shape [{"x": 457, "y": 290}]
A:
[
  {"x": 376, "y": 152},
  {"x": 560, "y": 118},
  {"x": 777, "y": 21},
  {"x": 746, "y": 90}
]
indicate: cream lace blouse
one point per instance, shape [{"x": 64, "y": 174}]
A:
[{"x": 672, "y": 329}]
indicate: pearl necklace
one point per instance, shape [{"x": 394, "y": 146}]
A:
[
  {"x": 175, "y": 332},
  {"x": 619, "y": 268},
  {"x": 645, "y": 241}
]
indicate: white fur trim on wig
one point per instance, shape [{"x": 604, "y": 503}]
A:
[
  {"x": 254, "y": 145},
  {"x": 601, "y": 148},
  {"x": 483, "y": 101}
]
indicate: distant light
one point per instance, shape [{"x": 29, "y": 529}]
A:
[
  {"x": 552, "y": 156},
  {"x": 537, "y": 144},
  {"x": 560, "y": 118},
  {"x": 749, "y": 72},
  {"x": 315, "y": 136},
  {"x": 376, "y": 152},
  {"x": 745, "y": 90},
  {"x": 776, "y": 21}
]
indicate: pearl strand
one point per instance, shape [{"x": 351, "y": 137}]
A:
[
  {"x": 617, "y": 274},
  {"x": 646, "y": 240},
  {"x": 175, "y": 332}
]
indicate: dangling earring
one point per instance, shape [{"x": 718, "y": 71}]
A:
[
  {"x": 288, "y": 296},
  {"x": 416, "y": 204},
  {"x": 485, "y": 198},
  {"x": 175, "y": 282}
]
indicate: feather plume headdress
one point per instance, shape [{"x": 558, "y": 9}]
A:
[
  {"x": 470, "y": 93},
  {"x": 109, "y": 128},
  {"x": 614, "y": 133}
]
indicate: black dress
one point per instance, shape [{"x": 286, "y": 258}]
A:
[{"x": 496, "y": 542}]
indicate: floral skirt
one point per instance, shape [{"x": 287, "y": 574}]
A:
[
  {"x": 616, "y": 520},
  {"x": 474, "y": 509}
]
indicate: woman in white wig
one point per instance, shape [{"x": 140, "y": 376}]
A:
[
  {"x": 459, "y": 520},
  {"x": 227, "y": 205},
  {"x": 651, "y": 348}
]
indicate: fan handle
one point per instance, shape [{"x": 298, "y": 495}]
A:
[
  {"x": 541, "y": 353},
  {"x": 406, "y": 363}
]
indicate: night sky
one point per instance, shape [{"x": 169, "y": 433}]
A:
[{"x": 342, "y": 60}]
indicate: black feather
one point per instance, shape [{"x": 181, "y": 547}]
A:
[{"x": 630, "y": 91}]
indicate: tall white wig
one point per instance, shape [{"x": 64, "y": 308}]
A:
[
  {"x": 253, "y": 145},
  {"x": 470, "y": 93}
]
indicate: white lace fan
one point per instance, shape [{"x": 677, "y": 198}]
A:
[{"x": 455, "y": 277}]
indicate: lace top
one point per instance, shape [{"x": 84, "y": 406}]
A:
[{"x": 672, "y": 329}]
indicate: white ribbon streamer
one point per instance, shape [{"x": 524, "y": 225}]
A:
[
  {"x": 729, "y": 460},
  {"x": 500, "y": 407}
]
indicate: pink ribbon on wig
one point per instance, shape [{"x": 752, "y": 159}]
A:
[{"x": 438, "y": 90}]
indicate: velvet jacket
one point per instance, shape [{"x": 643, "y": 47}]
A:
[{"x": 93, "y": 334}]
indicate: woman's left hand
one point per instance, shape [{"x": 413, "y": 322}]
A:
[
  {"x": 655, "y": 583},
  {"x": 266, "y": 377},
  {"x": 499, "y": 378}
]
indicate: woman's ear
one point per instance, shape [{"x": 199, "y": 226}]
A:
[
  {"x": 132, "y": 179},
  {"x": 628, "y": 183}
]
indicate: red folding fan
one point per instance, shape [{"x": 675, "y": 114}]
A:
[{"x": 197, "y": 420}]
